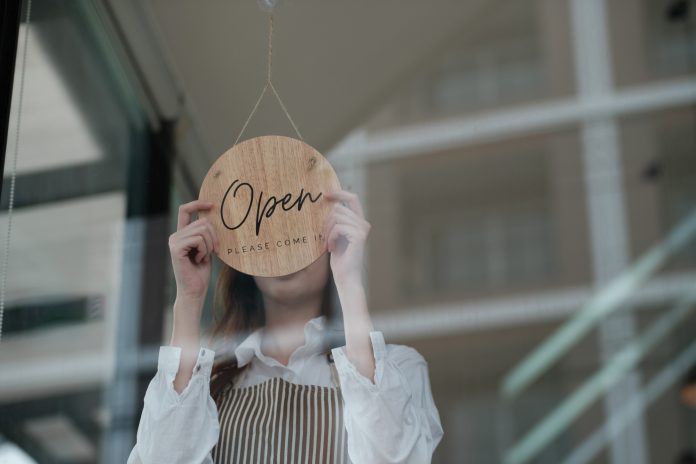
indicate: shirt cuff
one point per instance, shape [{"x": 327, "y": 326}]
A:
[
  {"x": 170, "y": 356},
  {"x": 204, "y": 363},
  {"x": 168, "y": 360},
  {"x": 346, "y": 368}
]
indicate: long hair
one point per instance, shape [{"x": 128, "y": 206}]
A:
[{"x": 238, "y": 310}]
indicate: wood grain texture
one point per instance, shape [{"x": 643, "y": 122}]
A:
[{"x": 269, "y": 208}]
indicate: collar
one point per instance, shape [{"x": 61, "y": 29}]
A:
[{"x": 251, "y": 346}]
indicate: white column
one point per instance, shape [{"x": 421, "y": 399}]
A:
[{"x": 606, "y": 209}]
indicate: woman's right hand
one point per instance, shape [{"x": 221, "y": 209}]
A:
[{"x": 191, "y": 248}]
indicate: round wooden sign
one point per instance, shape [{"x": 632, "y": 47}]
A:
[{"x": 269, "y": 208}]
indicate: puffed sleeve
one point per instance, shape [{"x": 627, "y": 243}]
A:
[
  {"x": 177, "y": 428},
  {"x": 393, "y": 420}
]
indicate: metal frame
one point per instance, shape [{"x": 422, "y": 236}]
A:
[{"x": 9, "y": 33}]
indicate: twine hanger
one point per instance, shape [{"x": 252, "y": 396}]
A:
[{"x": 269, "y": 84}]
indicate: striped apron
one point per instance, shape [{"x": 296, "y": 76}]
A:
[{"x": 278, "y": 421}]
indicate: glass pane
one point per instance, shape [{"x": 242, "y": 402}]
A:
[
  {"x": 530, "y": 185},
  {"x": 503, "y": 57},
  {"x": 80, "y": 131},
  {"x": 652, "y": 40}
]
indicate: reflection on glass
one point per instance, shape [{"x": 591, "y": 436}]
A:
[{"x": 532, "y": 237}]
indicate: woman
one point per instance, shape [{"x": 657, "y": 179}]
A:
[{"x": 287, "y": 392}]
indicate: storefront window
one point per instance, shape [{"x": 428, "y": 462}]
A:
[{"x": 529, "y": 178}]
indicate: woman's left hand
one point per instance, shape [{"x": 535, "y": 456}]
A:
[{"x": 346, "y": 231}]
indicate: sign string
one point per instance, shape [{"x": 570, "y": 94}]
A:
[
  {"x": 6, "y": 257},
  {"x": 269, "y": 84}
]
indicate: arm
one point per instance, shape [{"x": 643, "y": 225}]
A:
[
  {"x": 177, "y": 428},
  {"x": 357, "y": 325},
  {"x": 346, "y": 232},
  {"x": 179, "y": 421},
  {"x": 389, "y": 412},
  {"x": 186, "y": 335},
  {"x": 394, "y": 419}
]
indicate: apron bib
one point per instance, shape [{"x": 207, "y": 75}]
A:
[{"x": 278, "y": 421}]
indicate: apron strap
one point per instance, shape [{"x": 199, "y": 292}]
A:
[{"x": 334, "y": 372}]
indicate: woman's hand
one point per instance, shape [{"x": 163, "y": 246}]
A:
[
  {"x": 191, "y": 247},
  {"x": 346, "y": 231}
]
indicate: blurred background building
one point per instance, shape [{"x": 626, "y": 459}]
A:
[{"x": 529, "y": 169}]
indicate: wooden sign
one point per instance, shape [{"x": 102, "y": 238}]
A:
[{"x": 269, "y": 209}]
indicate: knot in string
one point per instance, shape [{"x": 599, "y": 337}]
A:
[{"x": 268, "y": 5}]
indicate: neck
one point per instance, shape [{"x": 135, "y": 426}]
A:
[{"x": 285, "y": 321}]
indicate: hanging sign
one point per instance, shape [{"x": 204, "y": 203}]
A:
[{"x": 269, "y": 209}]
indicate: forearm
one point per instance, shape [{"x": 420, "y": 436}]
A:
[
  {"x": 186, "y": 334},
  {"x": 357, "y": 325}
]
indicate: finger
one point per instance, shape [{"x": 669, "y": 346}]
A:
[
  {"x": 345, "y": 215},
  {"x": 349, "y": 197},
  {"x": 193, "y": 242},
  {"x": 187, "y": 209},
  {"x": 337, "y": 216},
  {"x": 209, "y": 234},
  {"x": 208, "y": 230},
  {"x": 339, "y": 230},
  {"x": 349, "y": 230},
  {"x": 203, "y": 250},
  {"x": 202, "y": 227},
  {"x": 213, "y": 237},
  {"x": 351, "y": 214}
]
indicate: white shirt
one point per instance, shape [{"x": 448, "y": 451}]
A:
[{"x": 391, "y": 421}]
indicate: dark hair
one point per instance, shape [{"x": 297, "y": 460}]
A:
[{"x": 237, "y": 311}]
